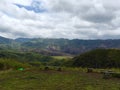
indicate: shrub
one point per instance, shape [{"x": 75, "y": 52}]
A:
[
  {"x": 107, "y": 75},
  {"x": 59, "y": 69},
  {"x": 89, "y": 70},
  {"x": 46, "y": 68},
  {"x": 116, "y": 75},
  {"x": 36, "y": 64}
]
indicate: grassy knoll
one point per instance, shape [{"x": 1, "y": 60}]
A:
[{"x": 35, "y": 79}]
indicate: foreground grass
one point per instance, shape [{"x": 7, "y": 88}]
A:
[{"x": 53, "y": 80}]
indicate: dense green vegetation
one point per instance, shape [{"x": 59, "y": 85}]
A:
[
  {"x": 35, "y": 59},
  {"x": 99, "y": 58},
  {"x": 24, "y": 56}
]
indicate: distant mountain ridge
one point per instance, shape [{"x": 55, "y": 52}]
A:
[
  {"x": 4, "y": 40},
  {"x": 23, "y": 40},
  {"x": 58, "y": 46},
  {"x": 75, "y": 46}
]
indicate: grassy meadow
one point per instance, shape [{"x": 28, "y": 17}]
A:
[
  {"x": 67, "y": 79},
  {"x": 62, "y": 57}
]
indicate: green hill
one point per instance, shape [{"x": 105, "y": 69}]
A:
[{"x": 99, "y": 58}]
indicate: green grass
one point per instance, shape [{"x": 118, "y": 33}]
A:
[
  {"x": 35, "y": 79},
  {"x": 62, "y": 57}
]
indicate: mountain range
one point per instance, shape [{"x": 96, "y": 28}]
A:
[{"x": 60, "y": 46}]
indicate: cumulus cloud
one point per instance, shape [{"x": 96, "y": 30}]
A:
[{"x": 83, "y": 19}]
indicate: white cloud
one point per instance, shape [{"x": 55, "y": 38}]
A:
[{"x": 84, "y": 19}]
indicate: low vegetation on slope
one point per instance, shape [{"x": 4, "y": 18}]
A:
[
  {"x": 99, "y": 58},
  {"x": 6, "y": 64},
  {"x": 24, "y": 56}
]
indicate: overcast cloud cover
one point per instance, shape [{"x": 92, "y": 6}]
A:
[{"x": 83, "y": 19}]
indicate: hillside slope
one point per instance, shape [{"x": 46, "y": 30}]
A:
[{"x": 99, "y": 58}]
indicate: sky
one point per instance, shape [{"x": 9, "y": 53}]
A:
[{"x": 72, "y": 19}]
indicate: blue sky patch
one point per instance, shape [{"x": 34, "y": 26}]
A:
[{"x": 36, "y": 7}]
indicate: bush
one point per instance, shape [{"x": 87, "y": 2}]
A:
[
  {"x": 36, "y": 64},
  {"x": 107, "y": 75},
  {"x": 116, "y": 75},
  {"x": 89, "y": 70},
  {"x": 46, "y": 68},
  {"x": 59, "y": 69}
]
